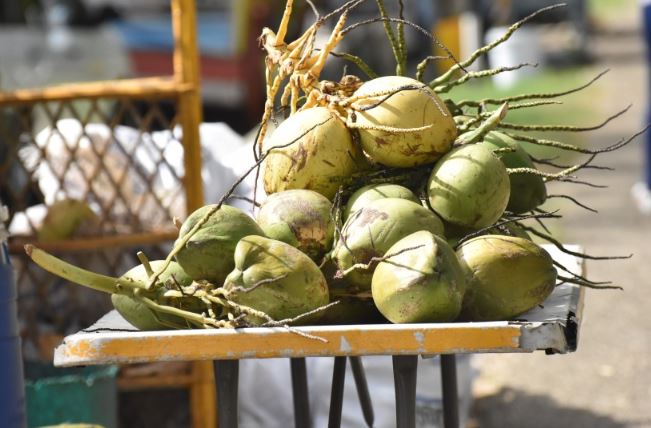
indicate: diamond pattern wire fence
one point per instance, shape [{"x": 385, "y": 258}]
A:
[{"x": 94, "y": 181}]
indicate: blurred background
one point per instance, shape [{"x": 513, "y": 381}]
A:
[{"x": 606, "y": 383}]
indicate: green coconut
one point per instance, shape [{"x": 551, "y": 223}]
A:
[
  {"x": 506, "y": 276},
  {"x": 139, "y": 315},
  {"x": 311, "y": 150},
  {"x": 409, "y": 108},
  {"x": 275, "y": 278},
  {"x": 208, "y": 255},
  {"x": 420, "y": 281},
  {"x": 65, "y": 219},
  {"x": 528, "y": 191},
  {"x": 301, "y": 218},
  {"x": 362, "y": 196},
  {"x": 371, "y": 231},
  {"x": 469, "y": 187}
]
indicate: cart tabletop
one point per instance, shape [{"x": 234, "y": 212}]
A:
[{"x": 552, "y": 327}]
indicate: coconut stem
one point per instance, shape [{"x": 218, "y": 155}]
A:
[
  {"x": 297, "y": 318},
  {"x": 412, "y": 25},
  {"x": 422, "y": 66},
  {"x": 395, "y": 46},
  {"x": 549, "y": 176},
  {"x": 501, "y": 223},
  {"x": 258, "y": 284},
  {"x": 588, "y": 284},
  {"x": 581, "y": 280},
  {"x": 484, "y": 49},
  {"x": 522, "y": 97},
  {"x": 561, "y": 247},
  {"x": 389, "y": 129},
  {"x": 488, "y": 125},
  {"x": 479, "y": 74},
  {"x": 196, "y": 319},
  {"x": 573, "y": 200},
  {"x": 374, "y": 261},
  {"x": 145, "y": 263},
  {"x": 81, "y": 276},
  {"x": 359, "y": 62},
  {"x": 562, "y": 128},
  {"x": 400, "y": 27}
]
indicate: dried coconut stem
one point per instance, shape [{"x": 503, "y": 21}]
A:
[
  {"x": 564, "y": 249},
  {"x": 395, "y": 45},
  {"x": 479, "y": 74},
  {"x": 374, "y": 261},
  {"x": 479, "y": 52},
  {"x": 422, "y": 66},
  {"x": 522, "y": 97},
  {"x": 576, "y": 202},
  {"x": 563, "y": 128}
]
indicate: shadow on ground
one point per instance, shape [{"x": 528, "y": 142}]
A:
[{"x": 512, "y": 408}]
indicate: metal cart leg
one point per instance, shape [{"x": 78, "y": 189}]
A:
[
  {"x": 300, "y": 393},
  {"x": 404, "y": 376},
  {"x": 337, "y": 394},
  {"x": 449, "y": 391},
  {"x": 226, "y": 379},
  {"x": 362, "y": 390}
]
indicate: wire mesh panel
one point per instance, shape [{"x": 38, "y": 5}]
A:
[{"x": 94, "y": 181}]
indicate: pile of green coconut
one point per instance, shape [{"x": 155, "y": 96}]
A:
[{"x": 385, "y": 202}]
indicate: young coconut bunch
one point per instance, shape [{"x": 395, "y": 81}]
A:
[
  {"x": 339, "y": 137},
  {"x": 469, "y": 200},
  {"x": 389, "y": 121}
]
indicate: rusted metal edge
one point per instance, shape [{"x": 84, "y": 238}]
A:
[{"x": 416, "y": 339}]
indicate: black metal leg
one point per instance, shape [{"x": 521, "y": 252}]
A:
[
  {"x": 226, "y": 378},
  {"x": 337, "y": 394},
  {"x": 300, "y": 393},
  {"x": 449, "y": 390},
  {"x": 404, "y": 376},
  {"x": 362, "y": 390}
]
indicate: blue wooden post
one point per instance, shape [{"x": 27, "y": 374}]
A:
[
  {"x": 12, "y": 390},
  {"x": 646, "y": 21}
]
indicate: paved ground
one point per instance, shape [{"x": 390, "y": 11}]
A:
[{"x": 607, "y": 382}]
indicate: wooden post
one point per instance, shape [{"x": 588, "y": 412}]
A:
[{"x": 186, "y": 73}]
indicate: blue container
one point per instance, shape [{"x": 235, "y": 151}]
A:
[{"x": 12, "y": 390}]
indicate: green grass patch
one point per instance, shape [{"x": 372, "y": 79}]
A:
[{"x": 609, "y": 10}]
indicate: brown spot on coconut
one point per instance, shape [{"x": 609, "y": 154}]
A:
[
  {"x": 506, "y": 276},
  {"x": 420, "y": 281},
  {"x": 311, "y": 150},
  {"x": 372, "y": 230},
  {"x": 300, "y": 218},
  {"x": 413, "y": 105}
]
